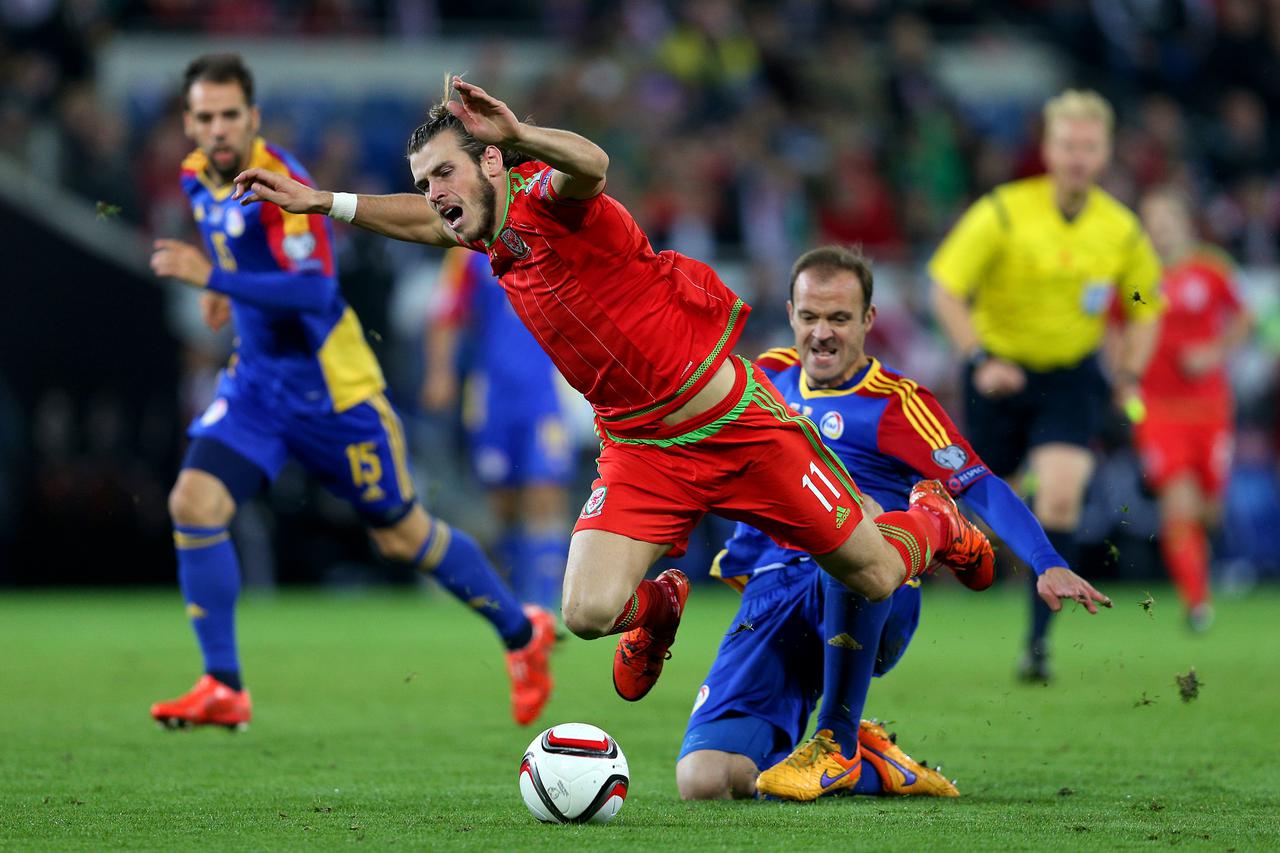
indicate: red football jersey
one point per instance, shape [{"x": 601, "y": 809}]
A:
[
  {"x": 637, "y": 332},
  {"x": 1200, "y": 300}
]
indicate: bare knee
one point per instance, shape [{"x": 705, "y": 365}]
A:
[
  {"x": 402, "y": 541},
  {"x": 1058, "y": 510},
  {"x": 712, "y": 775},
  {"x": 587, "y": 619},
  {"x": 200, "y": 499}
]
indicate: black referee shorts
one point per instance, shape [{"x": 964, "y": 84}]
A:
[{"x": 1065, "y": 405}]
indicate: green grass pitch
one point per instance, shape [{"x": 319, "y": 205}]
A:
[{"x": 382, "y": 722}]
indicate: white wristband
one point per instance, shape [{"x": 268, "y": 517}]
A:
[{"x": 344, "y": 207}]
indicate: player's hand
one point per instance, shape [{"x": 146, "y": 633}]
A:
[
  {"x": 484, "y": 116},
  {"x": 1198, "y": 360},
  {"x": 254, "y": 185},
  {"x": 1060, "y": 584},
  {"x": 439, "y": 391},
  {"x": 215, "y": 310},
  {"x": 183, "y": 261},
  {"x": 996, "y": 378}
]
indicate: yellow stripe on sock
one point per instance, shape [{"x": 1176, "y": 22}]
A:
[
  {"x": 442, "y": 536},
  {"x": 186, "y": 541}
]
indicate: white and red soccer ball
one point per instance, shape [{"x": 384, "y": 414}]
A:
[{"x": 574, "y": 773}]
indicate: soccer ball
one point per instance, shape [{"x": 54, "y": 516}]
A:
[{"x": 574, "y": 773}]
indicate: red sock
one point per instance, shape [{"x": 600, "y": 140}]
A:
[
  {"x": 649, "y": 606},
  {"x": 915, "y": 534},
  {"x": 1186, "y": 554}
]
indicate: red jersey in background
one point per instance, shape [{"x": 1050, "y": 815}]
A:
[{"x": 1201, "y": 300}]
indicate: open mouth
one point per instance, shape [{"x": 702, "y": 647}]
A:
[
  {"x": 452, "y": 215},
  {"x": 823, "y": 354}
]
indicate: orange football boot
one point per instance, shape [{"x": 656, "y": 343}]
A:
[
  {"x": 899, "y": 773},
  {"x": 529, "y": 667},
  {"x": 638, "y": 660},
  {"x": 209, "y": 703},
  {"x": 969, "y": 554},
  {"x": 815, "y": 768}
]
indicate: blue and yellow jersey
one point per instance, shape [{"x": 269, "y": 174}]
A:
[
  {"x": 1040, "y": 283},
  {"x": 299, "y": 344},
  {"x": 889, "y": 431},
  {"x": 505, "y": 365}
]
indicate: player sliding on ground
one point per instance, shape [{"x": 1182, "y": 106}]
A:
[
  {"x": 686, "y": 427},
  {"x": 806, "y": 636},
  {"x": 303, "y": 383}
]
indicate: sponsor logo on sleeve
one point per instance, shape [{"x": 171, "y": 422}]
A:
[
  {"x": 958, "y": 482},
  {"x": 545, "y": 183},
  {"x": 951, "y": 457}
]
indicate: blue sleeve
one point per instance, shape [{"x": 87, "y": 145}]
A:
[
  {"x": 289, "y": 291},
  {"x": 1006, "y": 514}
]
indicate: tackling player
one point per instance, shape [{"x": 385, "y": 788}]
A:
[
  {"x": 518, "y": 439},
  {"x": 686, "y": 428},
  {"x": 302, "y": 383},
  {"x": 1021, "y": 287},
  {"x": 1186, "y": 438},
  {"x": 797, "y": 634}
]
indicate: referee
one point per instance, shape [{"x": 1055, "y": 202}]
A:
[{"x": 1021, "y": 286}]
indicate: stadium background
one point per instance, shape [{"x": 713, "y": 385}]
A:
[{"x": 740, "y": 133}]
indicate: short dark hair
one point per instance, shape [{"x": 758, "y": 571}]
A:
[
  {"x": 834, "y": 258},
  {"x": 439, "y": 119},
  {"x": 218, "y": 68}
]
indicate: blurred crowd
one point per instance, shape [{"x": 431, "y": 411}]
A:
[{"x": 740, "y": 132}]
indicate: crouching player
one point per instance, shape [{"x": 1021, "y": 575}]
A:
[{"x": 797, "y": 636}]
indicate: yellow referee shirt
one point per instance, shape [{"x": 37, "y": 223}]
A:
[{"x": 1040, "y": 284}]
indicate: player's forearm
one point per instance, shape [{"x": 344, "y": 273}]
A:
[
  {"x": 954, "y": 318},
  {"x": 286, "y": 291},
  {"x": 1005, "y": 513},
  {"x": 574, "y": 155},
  {"x": 441, "y": 348},
  {"x": 401, "y": 216},
  {"x": 1137, "y": 345}
]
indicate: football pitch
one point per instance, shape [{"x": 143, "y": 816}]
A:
[{"x": 382, "y": 721}]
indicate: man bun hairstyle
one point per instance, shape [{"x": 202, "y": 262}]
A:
[
  {"x": 439, "y": 119},
  {"x": 218, "y": 68},
  {"x": 830, "y": 259}
]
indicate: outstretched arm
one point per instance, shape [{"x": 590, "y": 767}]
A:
[
  {"x": 580, "y": 164},
  {"x": 402, "y": 216},
  {"x": 1006, "y": 514}
]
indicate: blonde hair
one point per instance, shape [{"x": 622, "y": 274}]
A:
[{"x": 1080, "y": 104}]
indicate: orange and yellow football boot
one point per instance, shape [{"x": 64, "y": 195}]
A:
[
  {"x": 638, "y": 660},
  {"x": 814, "y": 769},
  {"x": 530, "y": 668},
  {"x": 900, "y": 774},
  {"x": 209, "y": 703},
  {"x": 969, "y": 554}
]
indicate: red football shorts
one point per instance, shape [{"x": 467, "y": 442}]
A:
[
  {"x": 1170, "y": 448},
  {"x": 750, "y": 458}
]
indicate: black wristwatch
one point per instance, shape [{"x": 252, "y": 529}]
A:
[{"x": 977, "y": 357}]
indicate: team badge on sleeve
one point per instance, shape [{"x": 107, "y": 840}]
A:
[
  {"x": 952, "y": 457},
  {"x": 299, "y": 247},
  {"x": 595, "y": 504}
]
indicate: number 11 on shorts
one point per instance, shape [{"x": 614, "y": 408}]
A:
[{"x": 809, "y": 484}]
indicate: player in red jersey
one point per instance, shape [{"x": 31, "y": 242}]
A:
[
  {"x": 1186, "y": 436},
  {"x": 685, "y": 427}
]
